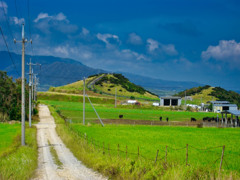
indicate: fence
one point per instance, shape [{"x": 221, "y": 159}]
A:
[{"x": 161, "y": 155}]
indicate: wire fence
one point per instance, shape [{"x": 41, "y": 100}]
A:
[{"x": 187, "y": 155}]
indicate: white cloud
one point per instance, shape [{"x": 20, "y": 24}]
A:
[
  {"x": 4, "y": 5},
  {"x": 152, "y": 44},
  {"x": 41, "y": 16},
  {"x": 3, "y": 9},
  {"x": 59, "y": 22},
  {"x": 226, "y": 51},
  {"x": 61, "y": 51},
  {"x": 17, "y": 21},
  {"x": 59, "y": 17},
  {"x": 134, "y": 39},
  {"x": 168, "y": 49},
  {"x": 131, "y": 55},
  {"x": 109, "y": 39},
  {"x": 84, "y": 31}
]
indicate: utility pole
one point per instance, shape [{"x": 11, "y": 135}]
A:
[
  {"x": 84, "y": 101},
  {"x": 30, "y": 94},
  {"x": 115, "y": 97},
  {"x": 185, "y": 99},
  {"x": 23, "y": 41}
]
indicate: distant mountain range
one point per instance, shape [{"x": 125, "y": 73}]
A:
[{"x": 57, "y": 71}]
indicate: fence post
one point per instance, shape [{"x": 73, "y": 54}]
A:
[
  {"x": 103, "y": 148},
  {"x": 126, "y": 151},
  {"x": 186, "y": 154},
  {"x": 166, "y": 155},
  {"x": 156, "y": 157},
  {"x": 138, "y": 151},
  {"x": 118, "y": 150},
  {"x": 221, "y": 159}
]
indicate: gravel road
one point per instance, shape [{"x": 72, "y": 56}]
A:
[{"x": 47, "y": 169}]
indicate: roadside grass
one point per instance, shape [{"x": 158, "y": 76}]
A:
[
  {"x": 22, "y": 161},
  {"x": 150, "y": 138},
  {"x": 74, "y": 110},
  {"x": 55, "y": 156},
  {"x": 10, "y": 138}
]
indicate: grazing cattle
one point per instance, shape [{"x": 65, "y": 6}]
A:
[
  {"x": 206, "y": 118},
  {"x": 160, "y": 118},
  {"x": 167, "y": 119},
  {"x": 120, "y": 116},
  {"x": 193, "y": 119}
]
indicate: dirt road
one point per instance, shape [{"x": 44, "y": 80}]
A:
[{"x": 71, "y": 167}]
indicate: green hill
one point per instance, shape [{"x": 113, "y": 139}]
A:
[
  {"x": 208, "y": 93},
  {"x": 107, "y": 84}
]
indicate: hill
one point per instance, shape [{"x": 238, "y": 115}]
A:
[
  {"x": 207, "y": 93},
  {"x": 108, "y": 84},
  {"x": 57, "y": 71}
]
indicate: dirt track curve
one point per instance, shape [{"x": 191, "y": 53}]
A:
[{"x": 47, "y": 169}]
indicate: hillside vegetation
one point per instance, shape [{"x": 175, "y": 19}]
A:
[
  {"x": 107, "y": 84},
  {"x": 208, "y": 93}
]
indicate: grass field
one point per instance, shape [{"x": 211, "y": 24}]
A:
[
  {"x": 202, "y": 164},
  {"x": 10, "y": 138},
  {"x": 73, "y": 110},
  {"x": 149, "y": 139},
  {"x": 16, "y": 161}
]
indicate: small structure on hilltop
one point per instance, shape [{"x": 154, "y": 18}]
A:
[
  {"x": 220, "y": 106},
  {"x": 170, "y": 101}
]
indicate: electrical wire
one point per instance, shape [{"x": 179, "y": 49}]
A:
[{"x": 10, "y": 55}]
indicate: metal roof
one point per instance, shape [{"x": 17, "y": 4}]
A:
[
  {"x": 229, "y": 105},
  {"x": 219, "y": 102},
  {"x": 170, "y": 97},
  {"x": 234, "y": 112}
]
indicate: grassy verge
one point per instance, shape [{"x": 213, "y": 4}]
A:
[
  {"x": 55, "y": 156},
  {"x": 21, "y": 163},
  {"x": 118, "y": 167}
]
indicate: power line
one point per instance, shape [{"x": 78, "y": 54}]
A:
[
  {"x": 17, "y": 15},
  {"x": 10, "y": 55},
  {"x": 8, "y": 24}
]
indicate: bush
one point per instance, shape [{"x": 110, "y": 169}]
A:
[
  {"x": 35, "y": 111},
  {"x": 132, "y": 97}
]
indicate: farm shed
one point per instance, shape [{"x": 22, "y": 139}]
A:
[
  {"x": 219, "y": 106},
  {"x": 170, "y": 101},
  {"x": 235, "y": 113}
]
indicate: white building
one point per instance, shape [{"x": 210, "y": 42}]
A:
[{"x": 170, "y": 101}]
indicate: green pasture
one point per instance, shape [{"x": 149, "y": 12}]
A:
[
  {"x": 149, "y": 139},
  {"x": 74, "y": 110},
  {"x": 16, "y": 161},
  {"x": 8, "y": 136}
]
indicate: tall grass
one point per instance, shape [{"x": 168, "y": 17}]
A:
[
  {"x": 22, "y": 161},
  {"x": 127, "y": 168}
]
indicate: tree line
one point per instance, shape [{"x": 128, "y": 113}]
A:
[{"x": 10, "y": 98}]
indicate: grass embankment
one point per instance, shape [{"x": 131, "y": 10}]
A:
[
  {"x": 73, "y": 110},
  {"x": 149, "y": 139},
  {"x": 16, "y": 161}
]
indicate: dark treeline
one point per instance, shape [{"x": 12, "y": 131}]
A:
[{"x": 10, "y": 98}]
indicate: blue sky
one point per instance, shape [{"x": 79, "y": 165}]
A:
[{"x": 187, "y": 40}]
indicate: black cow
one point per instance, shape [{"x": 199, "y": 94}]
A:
[
  {"x": 120, "y": 116},
  {"x": 167, "y": 119},
  {"x": 193, "y": 119},
  {"x": 160, "y": 118}
]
